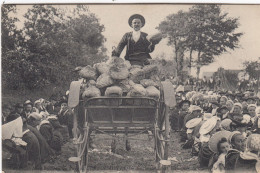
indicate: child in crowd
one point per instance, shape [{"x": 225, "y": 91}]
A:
[{"x": 223, "y": 147}]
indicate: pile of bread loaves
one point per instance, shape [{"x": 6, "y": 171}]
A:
[{"x": 117, "y": 78}]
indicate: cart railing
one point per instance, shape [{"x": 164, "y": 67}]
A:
[{"x": 121, "y": 111}]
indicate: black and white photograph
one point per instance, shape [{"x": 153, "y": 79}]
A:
[{"x": 109, "y": 88}]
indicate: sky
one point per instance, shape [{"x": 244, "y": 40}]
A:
[{"x": 115, "y": 20}]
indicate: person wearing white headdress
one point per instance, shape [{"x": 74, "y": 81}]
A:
[
  {"x": 37, "y": 106},
  {"x": 230, "y": 105},
  {"x": 256, "y": 123},
  {"x": 251, "y": 111}
]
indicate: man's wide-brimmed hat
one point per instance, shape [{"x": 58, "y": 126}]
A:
[
  {"x": 136, "y": 16},
  {"x": 208, "y": 126},
  {"x": 193, "y": 123}
]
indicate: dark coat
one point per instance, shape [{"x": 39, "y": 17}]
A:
[
  {"x": 12, "y": 116},
  {"x": 51, "y": 109},
  {"x": 45, "y": 149},
  {"x": 135, "y": 51},
  {"x": 231, "y": 158},
  {"x": 52, "y": 136},
  {"x": 33, "y": 149},
  {"x": 47, "y": 132},
  {"x": 204, "y": 155}
]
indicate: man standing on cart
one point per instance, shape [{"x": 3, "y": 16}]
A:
[{"x": 137, "y": 45}]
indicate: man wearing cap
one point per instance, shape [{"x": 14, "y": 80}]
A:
[
  {"x": 136, "y": 43},
  {"x": 184, "y": 106},
  {"x": 65, "y": 116},
  {"x": 51, "y": 105},
  {"x": 28, "y": 106}
]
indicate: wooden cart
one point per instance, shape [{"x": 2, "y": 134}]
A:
[{"x": 122, "y": 115}]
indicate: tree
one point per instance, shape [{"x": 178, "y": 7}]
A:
[
  {"x": 253, "y": 69},
  {"x": 57, "y": 42},
  {"x": 212, "y": 33},
  {"x": 203, "y": 30},
  {"x": 175, "y": 27},
  {"x": 51, "y": 44},
  {"x": 11, "y": 50}
]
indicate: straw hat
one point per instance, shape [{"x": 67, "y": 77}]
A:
[
  {"x": 193, "y": 123},
  {"x": 208, "y": 126},
  {"x": 215, "y": 138},
  {"x": 207, "y": 116}
]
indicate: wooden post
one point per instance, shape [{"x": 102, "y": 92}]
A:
[{"x": 75, "y": 123}]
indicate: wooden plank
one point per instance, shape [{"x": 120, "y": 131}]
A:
[
  {"x": 120, "y": 107},
  {"x": 169, "y": 93},
  {"x": 121, "y": 125},
  {"x": 73, "y": 100}
]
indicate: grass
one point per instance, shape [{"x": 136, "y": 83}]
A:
[
  {"x": 141, "y": 158},
  {"x": 19, "y": 96}
]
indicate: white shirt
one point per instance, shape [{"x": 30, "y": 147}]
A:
[{"x": 136, "y": 35}]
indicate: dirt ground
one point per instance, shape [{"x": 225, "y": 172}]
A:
[{"x": 141, "y": 158}]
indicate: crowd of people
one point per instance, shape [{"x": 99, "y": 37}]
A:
[
  {"x": 34, "y": 132},
  {"x": 221, "y": 128}
]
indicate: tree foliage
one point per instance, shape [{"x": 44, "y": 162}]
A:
[
  {"x": 203, "y": 30},
  {"x": 253, "y": 69},
  {"x": 52, "y": 43}
]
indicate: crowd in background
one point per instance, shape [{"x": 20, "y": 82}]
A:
[
  {"x": 222, "y": 128},
  {"x": 34, "y": 132}
]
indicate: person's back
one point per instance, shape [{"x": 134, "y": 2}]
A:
[
  {"x": 33, "y": 148},
  {"x": 45, "y": 149},
  {"x": 204, "y": 155},
  {"x": 231, "y": 159},
  {"x": 245, "y": 165},
  {"x": 13, "y": 115}
]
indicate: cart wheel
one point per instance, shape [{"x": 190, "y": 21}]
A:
[
  {"x": 82, "y": 153},
  {"x": 159, "y": 146},
  {"x": 127, "y": 145},
  {"x": 113, "y": 146}
]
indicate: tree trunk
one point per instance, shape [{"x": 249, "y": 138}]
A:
[
  {"x": 176, "y": 60},
  {"x": 198, "y": 66},
  {"x": 190, "y": 58},
  {"x": 191, "y": 50}
]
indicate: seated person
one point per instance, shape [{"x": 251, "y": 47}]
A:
[
  {"x": 45, "y": 149},
  {"x": 237, "y": 141},
  {"x": 217, "y": 162},
  {"x": 247, "y": 160},
  {"x": 33, "y": 147}
]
